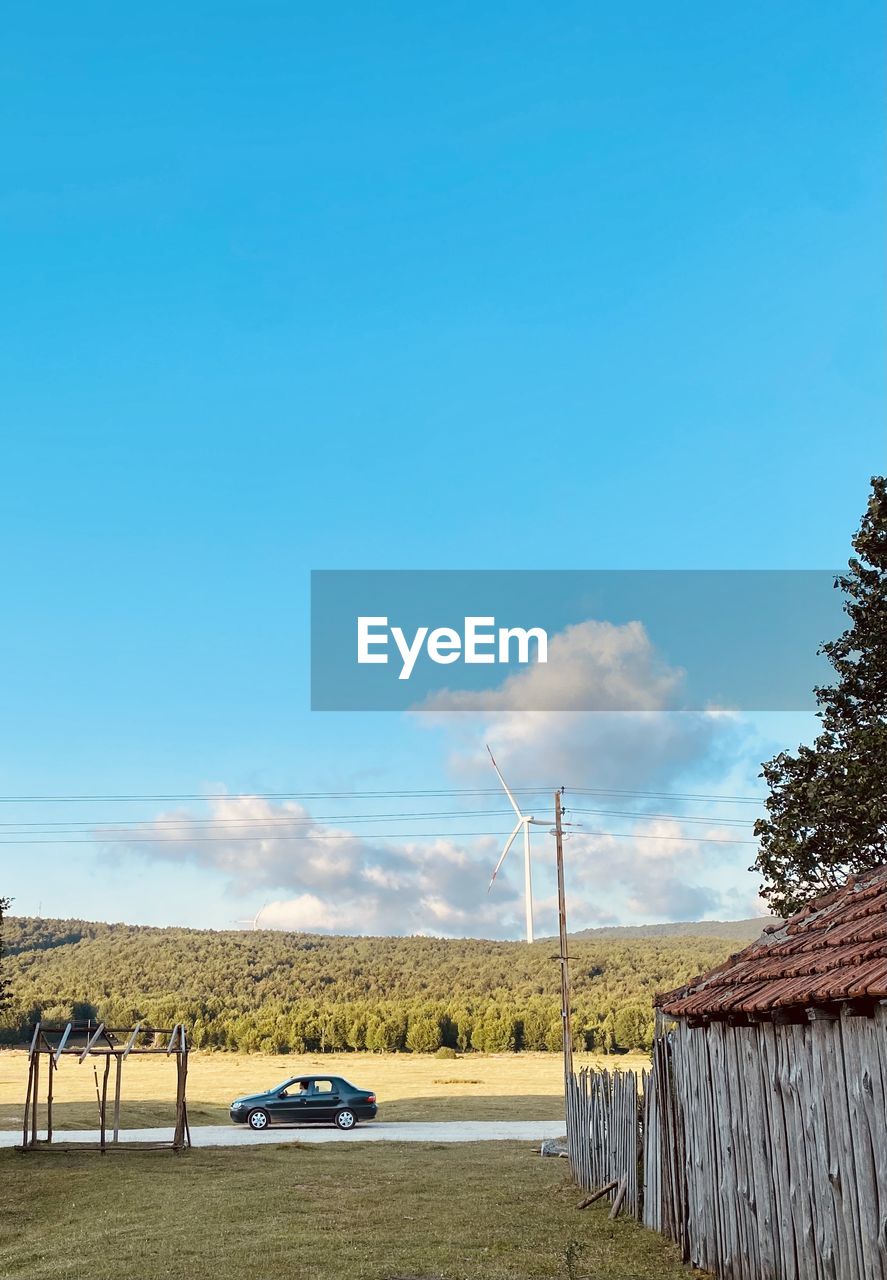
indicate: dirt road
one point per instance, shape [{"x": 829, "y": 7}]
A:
[{"x": 373, "y": 1131}]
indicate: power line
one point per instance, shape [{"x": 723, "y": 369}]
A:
[
  {"x": 667, "y": 795},
  {"x": 652, "y": 835},
  {"x": 388, "y": 835},
  {"x": 295, "y": 820},
  {"x": 278, "y": 819},
  {"x": 161, "y": 798},
  {"x": 135, "y": 838},
  {"x": 258, "y": 795},
  {"x": 656, "y": 817}
]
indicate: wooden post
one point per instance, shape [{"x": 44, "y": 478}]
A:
[
  {"x": 178, "y": 1140},
  {"x": 181, "y": 1137},
  {"x": 91, "y": 1041},
  {"x": 119, "y": 1061},
  {"x": 564, "y": 958},
  {"x": 60, "y": 1047},
  {"x": 130, "y": 1044},
  {"x": 186, "y": 1126},
  {"x": 602, "y": 1191},
  {"x": 34, "y": 1098},
  {"x": 51, "y": 1067},
  {"x": 28, "y": 1102},
  {"x": 620, "y": 1196},
  {"x": 104, "y": 1102}
]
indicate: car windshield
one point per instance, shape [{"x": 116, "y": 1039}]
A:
[{"x": 284, "y": 1084}]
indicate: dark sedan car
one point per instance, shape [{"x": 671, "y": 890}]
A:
[{"x": 306, "y": 1100}]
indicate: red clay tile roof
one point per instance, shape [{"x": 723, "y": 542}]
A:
[{"x": 834, "y": 950}]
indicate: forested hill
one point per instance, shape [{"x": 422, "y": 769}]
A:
[
  {"x": 281, "y": 992},
  {"x": 741, "y": 931}
]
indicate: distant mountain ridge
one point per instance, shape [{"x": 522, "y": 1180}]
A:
[
  {"x": 730, "y": 930},
  {"x": 43, "y": 933}
]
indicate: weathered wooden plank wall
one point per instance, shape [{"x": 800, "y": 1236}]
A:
[
  {"x": 783, "y": 1172},
  {"x": 761, "y": 1150}
]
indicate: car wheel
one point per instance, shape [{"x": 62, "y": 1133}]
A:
[
  {"x": 258, "y": 1119},
  {"x": 346, "y": 1119}
]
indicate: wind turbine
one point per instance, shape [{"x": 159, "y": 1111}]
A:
[
  {"x": 254, "y": 923},
  {"x": 525, "y": 823}
]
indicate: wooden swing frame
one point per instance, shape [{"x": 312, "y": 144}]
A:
[{"x": 107, "y": 1043}]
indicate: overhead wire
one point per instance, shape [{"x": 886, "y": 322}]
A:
[
  {"x": 108, "y": 798},
  {"x": 194, "y": 821},
  {"x": 137, "y": 838},
  {"x": 192, "y": 828},
  {"x": 389, "y": 835}
]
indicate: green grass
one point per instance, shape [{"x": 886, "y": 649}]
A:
[{"x": 484, "y": 1211}]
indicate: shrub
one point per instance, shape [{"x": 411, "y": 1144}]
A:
[{"x": 446, "y": 1052}]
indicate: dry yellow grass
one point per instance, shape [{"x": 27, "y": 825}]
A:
[{"x": 409, "y": 1086}]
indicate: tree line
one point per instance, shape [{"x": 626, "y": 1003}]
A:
[{"x": 280, "y": 992}]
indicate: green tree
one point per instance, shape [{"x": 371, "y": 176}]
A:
[
  {"x": 497, "y": 1032},
  {"x": 633, "y": 1027},
  {"x": 463, "y": 1020},
  {"x": 607, "y": 1033},
  {"x": 357, "y": 1032},
  {"x": 827, "y": 807},
  {"x": 423, "y": 1033},
  {"x": 4, "y": 982},
  {"x": 554, "y": 1032},
  {"x": 535, "y": 1024}
]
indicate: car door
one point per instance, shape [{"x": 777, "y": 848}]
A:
[
  {"x": 288, "y": 1106},
  {"x": 322, "y": 1100}
]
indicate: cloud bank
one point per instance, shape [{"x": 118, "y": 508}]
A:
[
  {"x": 317, "y": 874},
  {"x": 331, "y": 880}
]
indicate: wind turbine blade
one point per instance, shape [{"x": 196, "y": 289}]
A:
[
  {"x": 510, "y": 841},
  {"x": 504, "y": 784}
]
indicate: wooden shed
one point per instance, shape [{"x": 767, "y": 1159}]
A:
[{"x": 771, "y": 1092}]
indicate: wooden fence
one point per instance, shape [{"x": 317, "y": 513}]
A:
[
  {"x": 604, "y": 1132},
  {"x": 761, "y": 1150}
]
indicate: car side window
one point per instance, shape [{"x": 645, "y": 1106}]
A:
[{"x": 324, "y": 1086}]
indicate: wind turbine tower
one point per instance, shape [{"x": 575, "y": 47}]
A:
[{"x": 524, "y": 823}]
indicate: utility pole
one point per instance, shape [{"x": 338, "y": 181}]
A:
[{"x": 567, "y": 1021}]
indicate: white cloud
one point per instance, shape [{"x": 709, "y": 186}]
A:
[
  {"x": 592, "y": 666},
  {"x": 338, "y": 881},
  {"x": 539, "y": 723},
  {"x": 310, "y": 914},
  {"x": 663, "y": 870}
]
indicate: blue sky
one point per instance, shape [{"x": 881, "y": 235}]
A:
[{"x": 285, "y": 289}]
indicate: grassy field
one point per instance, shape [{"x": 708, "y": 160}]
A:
[
  {"x": 483, "y": 1211},
  {"x": 526, "y": 1086}
]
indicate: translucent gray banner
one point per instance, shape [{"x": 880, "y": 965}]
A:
[{"x": 597, "y": 640}]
